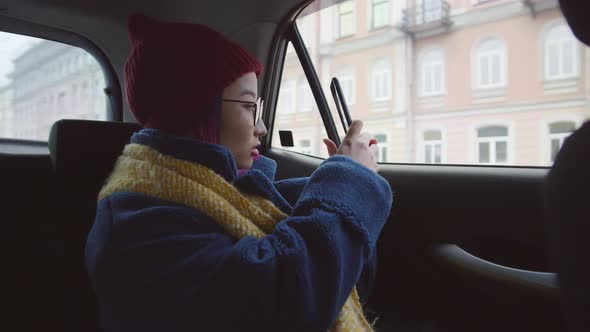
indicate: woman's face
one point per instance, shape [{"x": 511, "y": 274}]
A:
[{"x": 237, "y": 131}]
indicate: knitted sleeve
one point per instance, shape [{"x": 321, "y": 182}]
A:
[{"x": 291, "y": 189}]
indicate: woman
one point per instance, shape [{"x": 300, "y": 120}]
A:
[{"x": 183, "y": 241}]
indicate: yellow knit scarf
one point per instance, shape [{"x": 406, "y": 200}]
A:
[{"x": 143, "y": 170}]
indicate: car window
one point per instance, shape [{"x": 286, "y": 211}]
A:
[
  {"x": 443, "y": 82},
  {"x": 42, "y": 81}
]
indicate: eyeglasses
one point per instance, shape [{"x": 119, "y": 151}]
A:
[{"x": 256, "y": 107}]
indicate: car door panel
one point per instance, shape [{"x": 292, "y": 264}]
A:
[{"x": 463, "y": 249}]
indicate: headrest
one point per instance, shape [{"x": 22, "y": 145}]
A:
[
  {"x": 576, "y": 15},
  {"x": 87, "y": 149}
]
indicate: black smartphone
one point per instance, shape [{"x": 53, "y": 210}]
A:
[{"x": 340, "y": 104}]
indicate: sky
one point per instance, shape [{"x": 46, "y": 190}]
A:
[{"x": 11, "y": 46}]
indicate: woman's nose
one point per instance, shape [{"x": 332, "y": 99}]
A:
[{"x": 260, "y": 129}]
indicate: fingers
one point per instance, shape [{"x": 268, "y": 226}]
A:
[
  {"x": 374, "y": 148},
  {"x": 356, "y": 127},
  {"x": 364, "y": 139},
  {"x": 331, "y": 146}
]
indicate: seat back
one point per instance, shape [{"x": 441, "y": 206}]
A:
[
  {"x": 26, "y": 198},
  {"x": 568, "y": 225},
  {"x": 83, "y": 154}
]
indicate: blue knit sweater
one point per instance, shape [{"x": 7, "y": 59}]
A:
[{"x": 161, "y": 266}]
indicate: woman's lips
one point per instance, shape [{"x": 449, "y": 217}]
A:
[{"x": 255, "y": 152}]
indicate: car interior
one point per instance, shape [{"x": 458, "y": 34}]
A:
[{"x": 465, "y": 246}]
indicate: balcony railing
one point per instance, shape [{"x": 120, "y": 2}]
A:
[{"x": 429, "y": 14}]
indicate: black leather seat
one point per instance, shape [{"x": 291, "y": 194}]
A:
[
  {"x": 568, "y": 224},
  {"x": 83, "y": 154},
  {"x": 567, "y": 193}
]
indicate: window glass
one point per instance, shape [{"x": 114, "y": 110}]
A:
[
  {"x": 490, "y": 59},
  {"x": 562, "y": 127},
  {"x": 432, "y": 147},
  {"x": 558, "y": 132},
  {"x": 380, "y": 13},
  {"x": 493, "y": 144},
  {"x": 304, "y": 96},
  {"x": 286, "y": 102},
  {"x": 305, "y": 146},
  {"x": 346, "y": 18},
  {"x": 297, "y": 112},
  {"x": 380, "y": 81},
  {"x": 561, "y": 56},
  {"x": 383, "y": 147},
  {"x": 431, "y": 10},
  {"x": 347, "y": 83},
  {"x": 42, "y": 81},
  {"x": 490, "y": 82},
  {"x": 432, "y": 135},
  {"x": 492, "y": 131},
  {"x": 432, "y": 77}
]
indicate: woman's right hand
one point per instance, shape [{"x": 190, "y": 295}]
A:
[{"x": 356, "y": 145}]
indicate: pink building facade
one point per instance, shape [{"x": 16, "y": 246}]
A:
[{"x": 457, "y": 82}]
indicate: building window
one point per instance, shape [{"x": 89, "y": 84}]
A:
[
  {"x": 304, "y": 96},
  {"x": 558, "y": 132},
  {"x": 304, "y": 25},
  {"x": 347, "y": 84},
  {"x": 492, "y": 145},
  {"x": 383, "y": 147},
  {"x": 491, "y": 64},
  {"x": 433, "y": 73},
  {"x": 379, "y": 13},
  {"x": 429, "y": 10},
  {"x": 381, "y": 81},
  {"x": 561, "y": 56},
  {"x": 305, "y": 146},
  {"x": 84, "y": 93},
  {"x": 61, "y": 101},
  {"x": 346, "y": 19},
  {"x": 432, "y": 146},
  {"x": 74, "y": 101},
  {"x": 286, "y": 98}
]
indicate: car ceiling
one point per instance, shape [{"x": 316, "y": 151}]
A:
[
  {"x": 104, "y": 22},
  {"x": 225, "y": 15}
]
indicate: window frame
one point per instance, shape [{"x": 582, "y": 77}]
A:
[
  {"x": 420, "y": 153},
  {"x": 374, "y": 5},
  {"x": 317, "y": 89},
  {"x": 432, "y": 57},
  {"x": 547, "y": 76},
  {"x": 113, "y": 90},
  {"x": 428, "y": 12},
  {"x": 501, "y": 52},
  {"x": 382, "y": 146},
  {"x": 289, "y": 33},
  {"x": 559, "y": 136},
  {"x": 432, "y": 144},
  {"x": 492, "y": 141},
  {"x": 548, "y": 136},
  {"x": 114, "y": 109},
  {"x": 339, "y": 17},
  {"x": 380, "y": 67}
]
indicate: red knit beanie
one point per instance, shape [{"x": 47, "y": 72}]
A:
[{"x": 175, "y": 72}]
